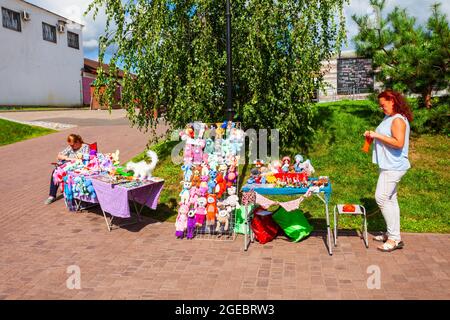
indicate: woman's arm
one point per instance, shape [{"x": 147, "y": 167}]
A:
[{"x": 398, "y": 131}]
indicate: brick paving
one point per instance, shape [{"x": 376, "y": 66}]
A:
[{"x": 145, "y": 261}]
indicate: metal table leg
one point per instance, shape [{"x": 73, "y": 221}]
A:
[{"x": 327, "y": 214}]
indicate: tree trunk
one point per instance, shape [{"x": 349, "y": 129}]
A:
[{"x": 426, "y": 97}]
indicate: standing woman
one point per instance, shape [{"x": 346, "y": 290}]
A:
[{"x": 390, "y": 152}]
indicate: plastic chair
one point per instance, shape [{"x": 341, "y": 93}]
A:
[{"x": 359, "y": 210}]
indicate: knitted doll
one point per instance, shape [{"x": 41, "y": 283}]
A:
[
  {"x": 185, "y": 193},
  {"x": 193, "y": 196},
  {"x": 203, "y": 189},
  {"x": 286, "y": 163},
  {"x": 221, "y": 185},
  {"x": 181, "y": 223},
  {"x": 198, "y": 152},
  {"x": 298, "y": 161},
  {"x": 190, "y": 224},
  {"x": 188, "y": 153},
  {"x": 211, "y": 210},
  {"x": 187, "y": 169},
  {"x": 212, "y": 182},
  {"x": 200, "y": 212},
  {"x": 223, "y": 218},
  {"x": 209, "y": 146}
]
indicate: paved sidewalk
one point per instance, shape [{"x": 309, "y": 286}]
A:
[{"x": 38, "y": 243}]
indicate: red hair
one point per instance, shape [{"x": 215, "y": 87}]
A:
[{"x": 400, "y": 104}]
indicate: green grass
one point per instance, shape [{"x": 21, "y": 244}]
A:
[
  {"x": 336, "y": 152},
  {"x": 11, "y": 132}
]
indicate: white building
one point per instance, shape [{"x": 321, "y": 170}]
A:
[{"x": 41, "y": 57}]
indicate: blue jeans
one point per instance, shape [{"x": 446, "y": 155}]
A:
[{"x": 53, "y": 186}]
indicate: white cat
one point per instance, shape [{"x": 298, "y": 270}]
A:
[{"x": 142, "y": 169}]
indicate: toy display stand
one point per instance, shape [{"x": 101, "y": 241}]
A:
[
  {"x": 324, "y": 194},
  {"x": 359, "y": 211}
]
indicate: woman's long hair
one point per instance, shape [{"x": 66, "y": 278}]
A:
[
  {"x": 400, "y": 104},
  {"x": 75, "y": 138}
]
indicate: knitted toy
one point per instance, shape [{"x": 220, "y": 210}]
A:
[
  {"x": 231, "y": 178},
  {"x": 187, "y": 169},
  {"x": 190, "y": 224},
  {"x": 211, "y": 209},
  {"x": 298, "y": 162},
  {"x": 212, "y": 182},
  {"x": 219, "y": 131},
  {"x": 198, "y": 152},
  {"x": 188, "y": 153},
  {"x": 181, "y": 223},
  {"x": 236, "y": 140},
  {"x": 213, "y": 161},
  {"x": 223, "y": 169},
  {"x": 205, "y": 170},
  {"x": 286, "y": 163},
  {"x": 193, "y": 196},
  {"x": 226, "y": 148},
  {"x": 200, "y": 212},
  {"x": 203, "y": 189},
  {"x": 209, "y": 147},
  {"x": 221, "y": 185},
  {"x": 232, "y": 200},
  {"x": 185, "y": 193},
  {"x": 223, "y": 218}
]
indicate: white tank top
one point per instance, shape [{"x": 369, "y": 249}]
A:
[{"x": 389, "y": 158}]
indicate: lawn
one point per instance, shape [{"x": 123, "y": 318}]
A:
[
  {"x": 11, "y": 132},
  {"x": 336, "y": 152}
]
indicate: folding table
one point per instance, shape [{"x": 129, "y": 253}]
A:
[
  {"x": 323, "y": 193},
  {"x": 114, "y": 198}
]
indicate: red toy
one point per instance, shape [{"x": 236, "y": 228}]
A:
[
  {"x": 221, "y": 186},
  {"x": 211, "y": 209}
]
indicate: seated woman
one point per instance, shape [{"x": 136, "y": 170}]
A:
[{"x": 75, "y": 149}]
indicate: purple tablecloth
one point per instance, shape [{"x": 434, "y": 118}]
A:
[{"x": 114, "y": 199}]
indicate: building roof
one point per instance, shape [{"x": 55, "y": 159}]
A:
[
  {"x": 56, "y": 14},
  {"x": 92, "y": 65}
]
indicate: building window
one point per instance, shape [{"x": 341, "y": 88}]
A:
[
  {"x": 11, "y": 19},
  {"x": 49, "y": 32},
  {"x": 73, "y": 40}
]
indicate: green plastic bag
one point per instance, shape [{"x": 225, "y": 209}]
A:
[
  {"x": 293, "y": 223},
  {"x": 239, "y": 226}
]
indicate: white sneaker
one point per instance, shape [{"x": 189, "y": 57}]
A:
[{"x": 49, "y": 200}]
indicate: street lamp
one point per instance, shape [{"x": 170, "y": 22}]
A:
[{"x": 229, "y": 111}]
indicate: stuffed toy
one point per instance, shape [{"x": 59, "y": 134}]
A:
[
  {"x": 204, "y": 170},
  {"x": 193, "y": 196},
  {"x": 188, "y": 153},
  {"x": 298, "y": 162},
  {"x": 198, "y": 152},
  {"x": 209, "y": 146},
  {"x": 203, "y": 189},
  {"x": 181, "y": 223},
  {"x": 236, "y": 140},
  {"x": 231, "y": 178},
  {"x": 213, "y": 161},
  {"x": 218, "y": 146},
  {"x": 185, "y": 193},
  {"x": 196, "y": 179},
  {"x": 221, "y": 185},
  {"x": 142, "y": 169},
  {"x": 211, "y": 210},
  {"x": 226, "y": 148},
  {"x": 190, "y": 224},
  {"x": 212, "y": 182},
  {"x": 307, "y": 167},
  {"x": 220, "y": 131},
  {"x": 200, "y": 212},
  {"x": 187, "y": 169},
  {"x": 223, "y": 218},
  {"x": 223, "y": 169},
  {"x": 233, "y": 200},
  {"x": 115, "y": 157},
  {"x": 286, "y": 163},
  {"x": 275, "y": 166}
]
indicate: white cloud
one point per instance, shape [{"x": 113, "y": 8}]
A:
[
  {"x": 74, "y": 10},
  {"x": 419, "y": 9}
]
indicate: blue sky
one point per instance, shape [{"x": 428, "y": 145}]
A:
[{"x": 74, "y": 10}]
